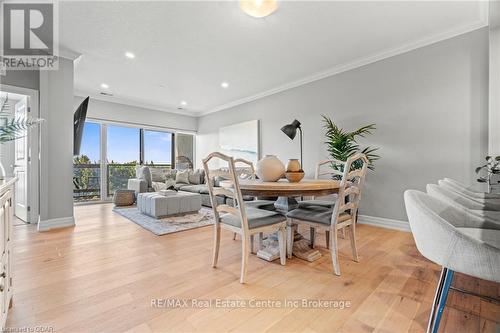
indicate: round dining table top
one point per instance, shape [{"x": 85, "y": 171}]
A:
[{"x": 283, "y": 188}]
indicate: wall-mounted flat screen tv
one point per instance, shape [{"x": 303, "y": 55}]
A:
[{"x": 78, "y": 124}]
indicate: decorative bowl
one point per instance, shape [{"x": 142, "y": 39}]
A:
[{"x": 294, "y": 177}]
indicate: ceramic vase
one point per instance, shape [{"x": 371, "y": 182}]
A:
[
  {"x": 270, "y": 168},
  {"x": 293, "y": 165}
]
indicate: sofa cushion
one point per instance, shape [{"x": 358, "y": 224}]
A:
[
  {"x": 202, "y": 189},
  {"x": 157, "y": 175},
  {"x": 182, "y": 177}
]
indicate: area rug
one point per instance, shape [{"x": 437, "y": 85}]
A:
[{"x": 168, "y": 225}]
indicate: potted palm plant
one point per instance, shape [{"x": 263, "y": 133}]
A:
[
  {"x": 12, "y": 127},
  {"x": 342, "y": 144}
]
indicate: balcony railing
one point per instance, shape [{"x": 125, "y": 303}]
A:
[{"x": 87, "y": 179}]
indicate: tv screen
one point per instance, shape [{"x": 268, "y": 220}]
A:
[{"x": 78, "y": 124}]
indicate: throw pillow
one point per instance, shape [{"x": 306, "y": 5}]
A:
[
  {"x": 182, "y": 177},
  {"x": 195, "y": 177},
  {"x": 157, "y": 175}
]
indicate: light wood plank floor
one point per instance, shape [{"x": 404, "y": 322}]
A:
[{"x": 102, "y": 275}]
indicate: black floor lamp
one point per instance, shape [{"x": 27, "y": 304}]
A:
[{"x": 291, "y": 131}]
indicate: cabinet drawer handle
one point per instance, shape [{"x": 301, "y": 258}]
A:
[
  {"x": 1, "y": 288},
  {"x": 2, "y": 275}
]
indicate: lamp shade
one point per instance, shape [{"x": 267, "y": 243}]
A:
[
  {"x": 258, "y": 8},
  {"x": 291, "y": 129}
]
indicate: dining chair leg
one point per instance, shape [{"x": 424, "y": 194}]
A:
[
  {"x": 440, "y": 299},
  {"x": 234, "y": 236},
  {"x": 216, "y": 246},
  {"x": 245, "y": 252},
  {"x": 327, "y": 238},
  {"x": 252, "y": 244},
  {"x": 352, "y": 236},
  {"x": 282, "y": 237},
  {"x": 312, "y": 236},
  {"x": 289, "y": 239},
  {"x": 342, "y": 233},
  {"x": 334, "y": 252}
]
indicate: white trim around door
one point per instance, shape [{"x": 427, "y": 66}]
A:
[{"x": 33, "y": 150}]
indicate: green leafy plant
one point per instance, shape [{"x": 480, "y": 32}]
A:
[
  {"x": 13, "y": 127},
  {"x": 342, "y": 144},
  {"x": 492, "y": 167}
]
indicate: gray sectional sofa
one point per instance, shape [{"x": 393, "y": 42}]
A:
[{"x": 153, "y": 179}]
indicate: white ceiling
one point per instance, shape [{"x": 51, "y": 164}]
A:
[{"x": 184, "y": 50}]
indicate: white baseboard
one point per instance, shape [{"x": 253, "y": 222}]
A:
[
  {"x": 61, "y": 222},
  {"x": 384, "y": 223}
]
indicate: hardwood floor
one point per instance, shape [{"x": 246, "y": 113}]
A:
[{"x": 102, "y": 276}]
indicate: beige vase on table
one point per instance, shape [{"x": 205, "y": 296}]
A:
[{"x": 270, "y": 168}]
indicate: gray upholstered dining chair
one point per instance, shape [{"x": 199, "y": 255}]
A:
[
  {"x": 454, "y": 197},
  {"x": 240, "y": 219},
  {"x": 447, "y": 236},
  {"x": 248, "y": 172},
  {"x": 342, "y": 214},
  {"x": 460, "y": 187}
]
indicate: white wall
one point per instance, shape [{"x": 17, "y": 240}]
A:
[
  {"x": 130, "y": 114},
  {"x": 56, "y": 184},
  {"x": 494, "y": 92},
  {"x": 430, "y": 106}
]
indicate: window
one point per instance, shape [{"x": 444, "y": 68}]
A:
[
  {"x": 125, "y": 147},
  {"x": 184, "y": 151},
  {"x": 157, "y": 148},
  {"x": 87, "y": 165},
  {"x": 123, "y": 154}
]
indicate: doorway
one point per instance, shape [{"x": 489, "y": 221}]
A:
[{"x": 20, "y": 157}]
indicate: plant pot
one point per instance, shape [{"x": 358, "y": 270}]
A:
[
  {"x": 295, "y": 177},
  {"x": 270, "y": 168}
]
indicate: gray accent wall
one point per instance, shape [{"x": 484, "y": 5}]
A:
[{"x": 430, "y": 106}]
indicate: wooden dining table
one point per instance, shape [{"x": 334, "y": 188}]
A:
[{"x": 287, "y": 192}]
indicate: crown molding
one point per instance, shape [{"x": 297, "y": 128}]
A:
[
  {"x": 124, "y": 101},
  {"x": 68, "y": 54},
  {"x": 481, "y": 23}
]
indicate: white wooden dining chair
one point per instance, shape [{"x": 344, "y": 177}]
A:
[
  {"x": 239, "y": 219},
  {"x": 331, "y": 168},
  {"x": 343, "y": 214},
  {"x": 248, "y": 172}
]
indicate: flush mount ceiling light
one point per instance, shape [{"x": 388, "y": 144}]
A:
[
  {"x": 104, "y": 86},
  {"x": 184, "y": 103},
  {"x": 224, "y": 85},
  {"x": 129, "y": 55},
  {"x": 258, "y": 8}
]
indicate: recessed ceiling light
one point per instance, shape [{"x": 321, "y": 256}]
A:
[
  {"x": 104, "y": 86},
  {"x": 129, "y": 55},
  {"x": 224, "y": 85},
  {"x": 184, "y": 103}
]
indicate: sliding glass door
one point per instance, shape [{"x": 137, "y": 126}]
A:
[
  {"x": 123, "y": 154},
  {"x": 110, "y": 154},
  {"x": 87, "y": 165}
]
